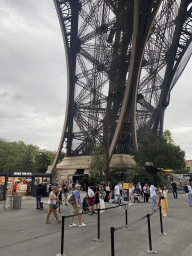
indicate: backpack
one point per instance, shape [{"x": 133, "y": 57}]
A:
[
  {"x": 186, "y": 189},
  {"x": 91, "y": 194},
  {"x": 71, "y": 199}
]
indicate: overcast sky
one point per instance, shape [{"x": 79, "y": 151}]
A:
[{"x": 33, "y": 79}]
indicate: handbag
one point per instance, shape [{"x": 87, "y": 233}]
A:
[
  {"x": 162, "y": 197},
  {"x": 108, "y": 198},
  {"x": 55, "y": 206}
]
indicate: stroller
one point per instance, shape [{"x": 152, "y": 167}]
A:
[{"x": 137, "y": 195}]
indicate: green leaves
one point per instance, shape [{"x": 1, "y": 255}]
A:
[{"x": 160, "y": 153}]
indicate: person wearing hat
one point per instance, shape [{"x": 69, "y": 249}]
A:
[
  {"x": 76, "y": 207},
  {"x": 52, "y": 201}
]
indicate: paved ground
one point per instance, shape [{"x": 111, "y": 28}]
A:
[{"x": 24, "y": 232}]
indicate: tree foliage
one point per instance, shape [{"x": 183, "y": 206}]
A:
[
  {"x": 160, "y": 153},
  {"x": 19, "y": 157},
  {"x": 97, "y": 167}
]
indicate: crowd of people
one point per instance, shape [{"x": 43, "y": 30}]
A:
[{"x": 98, "y": 195}]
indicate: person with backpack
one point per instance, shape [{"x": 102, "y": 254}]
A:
[{"x": 76, "y": 207}]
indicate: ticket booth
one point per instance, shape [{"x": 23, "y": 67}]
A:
[{"x": 23, "y": 183}]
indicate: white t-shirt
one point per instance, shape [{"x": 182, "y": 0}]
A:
[
  {"x": 54, "y": 200},
  {"x": 152, "y": 191},
  {"x": 117, "y": 190},
  {"x": 164, "y": 193}
]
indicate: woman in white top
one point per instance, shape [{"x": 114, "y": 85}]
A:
[
  {"x": 131, "y": 189},
  {"x": 52, "y": 201},
  {"x": 164, "y": 202}
]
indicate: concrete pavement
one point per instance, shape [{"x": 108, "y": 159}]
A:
[{"x": 24, "y": 232}]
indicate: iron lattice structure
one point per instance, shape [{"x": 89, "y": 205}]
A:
[{"x": 123, "y": 59}]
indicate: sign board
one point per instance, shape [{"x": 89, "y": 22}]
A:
[
  {"x": 23, "y": 173},
  {"x": 126, "y": 192}
]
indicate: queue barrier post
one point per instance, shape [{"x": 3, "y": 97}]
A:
[
  {"x": 112, "y": 242},
  {"x": 62, "y": 237},
  {"x": 98, "y": 239},
  {"x": 150, "y": 251},
  {"x": 161, "y": 222}
]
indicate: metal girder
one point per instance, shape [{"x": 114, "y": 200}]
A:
[{"x": 120, "y": 54}]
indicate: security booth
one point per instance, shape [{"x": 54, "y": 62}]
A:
[{"x": 23, "y": 183}]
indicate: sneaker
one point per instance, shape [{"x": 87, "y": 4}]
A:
[
  {"x": 165, "y": 216},
  {"x": 72, "y": 225},
  {"x": 130, "y": 204},
  {"x": 82, "y": 225},
  {"x": 66, "y": 204}
]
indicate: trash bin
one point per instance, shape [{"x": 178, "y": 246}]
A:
[
  {"x": 17, "y": 202},
  {"x": 8, "y": 204}
]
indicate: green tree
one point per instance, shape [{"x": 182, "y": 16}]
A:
[
  {"x": 168, "y": 136},
  {"x": 97, "y": 165},
  {"x": 159, "y": 153},
  {"x": 42, "y": 162}
]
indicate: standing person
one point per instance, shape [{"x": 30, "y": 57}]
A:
[
  {"x": 39, "y": 194},
  {"x": 102, "y": 196},
  {"x": 146, "y": 192},
  {"x": 159, "y": 193},
  {"x": 65, "y": 190},
  {"x": 52, "y": 201},
  {"x": 174, "y": 188},
  {"x": 131, "y": 189},
  {"x": 189, "y": 194},
  {"x": 70, "y": 187},
  {"x": 153, "y": 196},
  {"x": 164, "y": 202},
  {"x": 97, "y": 196},
  {"x": 121, "y": 188},
  {"x": 91, "y": 199},
  {"x": 15, "y": 188},
  {"x": 117, "y": 193},
  {"x": 107, "y": 195},
  {"x": 59, "y": 201},
  {"x": 140, "y": 188},
  {"x": 76, "y": 207}
]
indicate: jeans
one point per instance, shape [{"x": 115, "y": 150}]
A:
[
  {"x": 38, "y": 201},
  {"x": 118, "y": 198},
  {"x": 153, "y": 202},
  {"x": 189, "y": 199},
  {"x": 175, "y": 193}
]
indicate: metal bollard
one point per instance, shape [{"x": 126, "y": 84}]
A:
[
  {"x": 149, "y": 233},
  {"x": 161, "y": 222},
  {"x": 62, "y": 234},
  {"x": 98, "y": 227},
  {"x": 112, "y": 241}
]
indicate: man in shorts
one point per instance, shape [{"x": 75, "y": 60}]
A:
[{"x": 76, "y": 207}]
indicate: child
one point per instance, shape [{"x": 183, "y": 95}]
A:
[{"x": 85, "y": 205}]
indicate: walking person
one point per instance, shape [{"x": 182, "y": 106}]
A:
[
  {"x": 52, "y": 201},
  {"x": 164, "y": 202},
  {"x": 76, "y": 207},
  {"x": 153, "y": 196}
]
